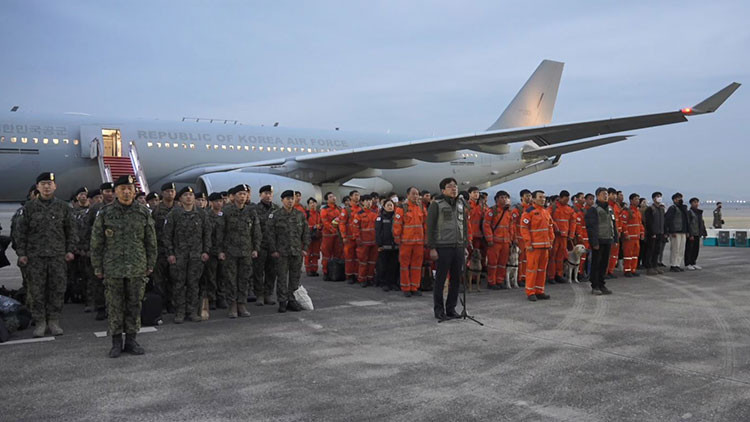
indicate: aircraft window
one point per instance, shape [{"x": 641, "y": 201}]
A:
[
  {"x": 216, "y": 146},
  {"x": 174, "y": 145},
  {"x": 45, "y": 141},
  {"x": 192, "y": 146},
  {"x": 167, "y": 145},
  {"x": 260, "y": 148},
  {"x": 231, "y": 147},
  {"x": 223, "y": 147},
  {"x": 2, "y": 138},
  {"x": 24, "y": 140},
  {"x": 13, "y": 140},
  {"x": 66, "y": 141},
  {"x": 253, "y": 147},
  {"x": 55, "y": 141},
  {"x": 290, "y": 150},
  {"x": 149, "y": 144},
  {"x": 75, "y": 141},
  {"x": 184, "y": 146},
  {"x": 247, "y": 148},
  {"x": 36, "y": 140}
]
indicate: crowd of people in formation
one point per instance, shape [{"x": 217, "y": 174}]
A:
[{"x": 220, "y": 251}]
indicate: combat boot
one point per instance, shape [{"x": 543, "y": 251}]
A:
[
  {"x": 179, "y": 319},
  {"x": 268, "y": 300},
  {"x": 242, "y": 310},
  {"x": 293, "y": 306},
  {"x": 41, "y": 329},
  {"x": 195, "y": 317},
  {"x": 116, "y": 349},
  {"x": 131, "y": 346},
  {"x": 282, "y": 306},
  {"x": 54, "y": 327},
  {"x": 101, "y": 314},
  {"x": 221, "y": 304},
  {"x": 233, "y": 310}
]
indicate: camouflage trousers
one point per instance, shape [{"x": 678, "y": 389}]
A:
[
  {"x": 186, "y": 277},
  {"x": 264, "y": 268},
  {"x": 94, "y": 286},
  {"x": 124, "y": 297},
  {"x": 212, "y": 282},
  {"x": 47, "y": 281},
  {"x": 160, "y": 278},
  {"x": 238, "y": 271},
  {"x": 290, "y": 268}
]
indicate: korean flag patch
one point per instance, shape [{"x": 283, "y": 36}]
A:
[{"x": 525, "y": 221}]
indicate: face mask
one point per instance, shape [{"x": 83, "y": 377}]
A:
[{"x": 394, "y": 199}]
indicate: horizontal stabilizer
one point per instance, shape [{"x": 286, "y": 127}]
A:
[
  {"x": 712, "y": 103},
  {"x": 578, "y": 146}
]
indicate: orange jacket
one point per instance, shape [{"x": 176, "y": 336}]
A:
[
  {"x": 516, "y": 212},
  {"x": 617, "y": 211},
  {"x": 632, "y": 223},
  {"x": 498, "y": 225},
  {"x": 410, "y": 224},
  {"x": 476, "y": 212},
  {"x": 537, "y": 228},
  {"x": 314, "y": 220},
  {"x": 328, "y": 215},
  {"x": 565, "y": 219},
  {"x": 345, "y": 220},
  {"x": 362, "y": 226},
  {"x": 300, "y": 208},
  {"x": 582, "y": 236}
]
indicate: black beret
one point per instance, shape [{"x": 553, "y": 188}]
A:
[
  {"x": 151, "y": 196},
  {"x": 241, "y": 188},
  {"x": 267, "y": 188},
  {"x": 232, "y": 190},
  {"x": 216, "y": 196},
  {"x": 140, "y": 193},
  {"x": 186, "y": 189},
  {"x": 287, "y": 194},
  {"x": 106, "y": 185},
  {"x": 166, "y": 186},
  {"x": 32, "y": 188},
  {"x": 45, "y": 177},
  {"x": 93, "y": 193},
  {"x": 81, "y": 190},
  {"x": 201, "y": 195},
  {"x": 125, "y": 179},
  {"x": 224, "y": 194}
]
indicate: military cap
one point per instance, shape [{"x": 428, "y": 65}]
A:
[
  {"x": 201, "y": 195},
  {"x": 186, "y": 189},
  {"x": 151, "y": 196},
  {"x": 81, "y": 190},
  {"x": 45, "y": 177},
  {"x": 32, "y": 188},
  {"x": 106, "y": 185},
  {"x": 166, "y": 186},
  {"x": 125, "y": 179},
  {"x": 241, "y": 188},
  {"x": 232, "y": 190},
  {"x": 140, "y": 193},
  {"x": 267, "y": 188},
  {"x": 93, "y": 193},
  {"x": 224, "y": 194},
  {"x": 216, "y": 196},
  {"x": 287, "y": 194}
]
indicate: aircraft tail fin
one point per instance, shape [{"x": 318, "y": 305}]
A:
[{"x": 535, "y": 102}]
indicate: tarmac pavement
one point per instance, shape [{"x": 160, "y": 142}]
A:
[{"x": 669, "y": 348}]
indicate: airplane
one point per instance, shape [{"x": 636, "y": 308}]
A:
[{"x": 214, "y": 155}]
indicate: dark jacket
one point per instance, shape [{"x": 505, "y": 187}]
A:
[
  {"x": 592, "y": 225},
  {"x": 674, "y": 222},
  {"x": 654, "y": 220},
  {"x": 384, "y": 230},
  {"x": 447, "y": 223},
  {"x": 696, "y": 225}
]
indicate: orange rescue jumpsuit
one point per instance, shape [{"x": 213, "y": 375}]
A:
[
  {"x": 350, "y": 247},
  {"x": 362, "y": 228},
  {"x": 331, "y": 246},
  {"x": 409, "y": 228},
  {"x": 582, "y": 236},
  {"x": 516, "y": 213},
  {"x": 499, "y": 232},
  {"x": 313, "y": 252},
  {"x": 538, "y": 234},
  {"x": 615, "y": 252},
  {"x": 476, "y": 213},
  {"x": 632, "y": 234},
  {"x": 565, "y": 221}
]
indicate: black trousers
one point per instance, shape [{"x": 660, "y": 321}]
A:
[
  {"x": 692, "y": 248},
  {"x": 453, "y": 261},
  {"x": 599, "y": 262},
  {"x": 654, "y": 247},
  {"x": 387, "y": 271}
]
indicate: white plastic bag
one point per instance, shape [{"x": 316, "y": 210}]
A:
[{"x": 301, "y": 296}]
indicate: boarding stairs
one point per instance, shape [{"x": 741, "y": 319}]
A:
[{"x": 111, "y": 167}]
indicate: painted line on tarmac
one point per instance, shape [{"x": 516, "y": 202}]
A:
[
  {"x": 101, "y": 334},
  {"x": 365, "y": 303},
  {"x": 28, "y": 340}
]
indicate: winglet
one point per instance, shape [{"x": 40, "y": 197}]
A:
[{"x": 712, "y": 103}]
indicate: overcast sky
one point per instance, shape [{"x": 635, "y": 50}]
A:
[{"x": 420, "y": 68}]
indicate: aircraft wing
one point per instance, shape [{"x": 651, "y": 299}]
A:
[{"x": 329, "y": 166}]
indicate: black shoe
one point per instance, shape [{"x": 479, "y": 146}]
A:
[
  {"x": 501, "y": 286},
  {"x": 674, "y": 269},
  {"x": 101, "y": 314},
  {"x": 531, "y": 298},
  {"x": 132, "y": 346},
  {"x": 559, "y": 280},
  {"x": 628, "y": 275},
  {"x": 407, "y": 294},
  {"x": 252, "y": 298},
  {"x": 315, "y": 274},
  {"x": 452, "y": 314},
  {"x": 221, "y": 304},
  {"x": 635, "y": 274},
  {"x": 551, "y": 281},
  {"x": 416, "y": 293},
  {"x": 282, "y": 306},
  {"x": 366, "y": 284},
  {"x": 293, "y": 306},
  {"x": 662, "y": 265},
  {"x": 351, "y": 280},
  {"x": 606, "y": 291},
  {"x": 116, "y": 349},
  {"x": 440, "y": 315},
  {"x": 542, "y": 296},
  {"x": 680, "y": 269}
]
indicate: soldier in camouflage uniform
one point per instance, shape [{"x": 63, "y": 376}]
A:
[
  {"x": 46, "y": 240},
  {"x": 288, "y": 238},
  {"x": 212, "y": 283},
  {"x": 83, "y": 269},
  {"x": 265, "y": 266},
  {"x": 106, "y": 192},
  {"x": 187, "y": 238},
  {"x": 123, "y": 253},
  {"x": 161, "y": 272},
  {"x": 242, "y": 238},
  {"x": 15, "y": 222}
]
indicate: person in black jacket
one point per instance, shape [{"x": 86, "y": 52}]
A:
[
  {"x": 655, "y": 237},
  {"x": 387, "y": 266},
  {"x": 696, "y": 230},
  {"x": 602, "y": 231},
  {"x": 676, "y": 225}
]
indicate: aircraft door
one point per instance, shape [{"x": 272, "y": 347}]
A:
[{"x": 96, "y": 138}]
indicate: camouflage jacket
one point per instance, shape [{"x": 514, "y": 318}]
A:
[
  {"x": 287, "y": 232},
  {"x": 263, "y": 212},
  {"x": 46, "y": 228},
  {"x": 242, "y": 233},
  {"x": 15, "y": 222},
  {"x": 187, "y": 233},
  {"x": 160, "y": 218},
  {"x": 123, "y": 241},
  {"x": 217, "y": 231},
  {"x": 83, "y": 228}
]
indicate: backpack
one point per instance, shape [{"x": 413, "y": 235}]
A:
[
  {"x": 151, "y": 309},
  {"x": 337, "y": 269}
]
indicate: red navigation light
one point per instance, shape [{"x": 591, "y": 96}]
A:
[{"x": 687, "y": 110}]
